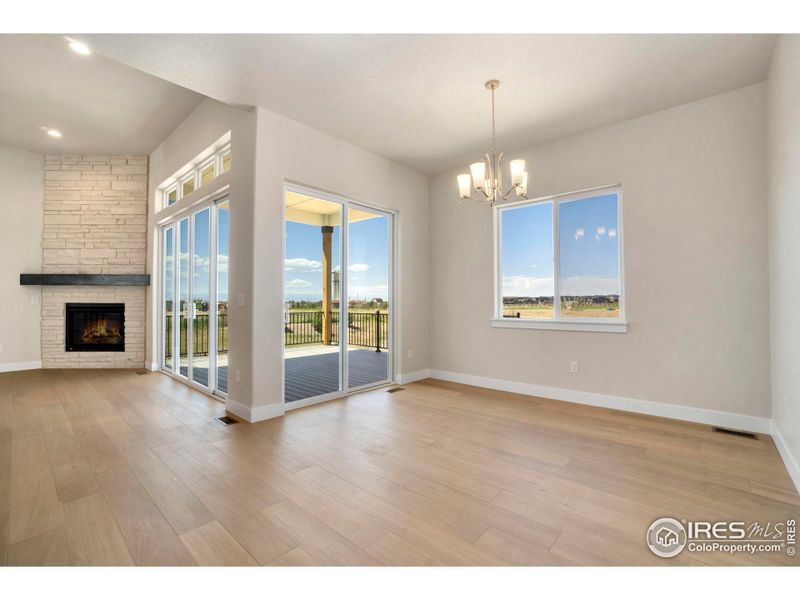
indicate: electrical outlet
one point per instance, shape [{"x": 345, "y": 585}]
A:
[
  {"x": 573, "y": 366},
  {"x": 410, "y": 353},
  {"x": 238, "y": 377},
  {"x": 240, "y": 300},
  {"x": 1, "y": 347},
  {"x": 34, "y": 299}
]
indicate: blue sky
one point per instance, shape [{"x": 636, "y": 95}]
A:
[
  {"x": 368, "y": 260},
  {"x": 588, "y": 243},
  {"x": 200, "y": 277}
]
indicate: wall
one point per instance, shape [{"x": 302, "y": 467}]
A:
[
  {"x": 204, "y": 126},
  {"x": 94, "y": 222},
  {"x": 21, "y": 193},
  {"x": 289, "y": 151},
  {"x": 267, "y": 150},
  {"x": 784, "y": 237},
  {"x": 695, "y": 239}
]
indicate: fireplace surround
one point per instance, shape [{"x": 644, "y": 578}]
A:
[{"x": 95, "y": 327}]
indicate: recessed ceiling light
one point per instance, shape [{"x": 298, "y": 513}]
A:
[
  {"x": 53, "y": 133},
  {"x": 79, "y": 47}
]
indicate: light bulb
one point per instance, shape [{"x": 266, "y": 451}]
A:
[
  {"x": 522, "y": 188},
  {"x": 478, "y": 175},
  {"x": 79, "y": 47},
  {"x": 517, "y": 171},
  {"x": 463, "y": 185}
]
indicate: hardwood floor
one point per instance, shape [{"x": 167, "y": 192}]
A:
[{"x": 103, "y": 467}]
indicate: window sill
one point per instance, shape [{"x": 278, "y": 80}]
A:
[{"x": 611, "y": 326}]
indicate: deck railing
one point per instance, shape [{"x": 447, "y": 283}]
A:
[
  {"x": 200, "y": 334},
  {"x": 366, "y": 329}
]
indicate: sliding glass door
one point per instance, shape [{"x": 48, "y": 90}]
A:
[
  {"x": 337, "y": 321},
  {"x": 195, "y": 297},
  {"x": 368, "y": 301}
]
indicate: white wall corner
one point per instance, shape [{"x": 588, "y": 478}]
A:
[
  {"x": 646, "y": 407},
  {"x": 152, "y": 367},
  {"x": 404, "y": 378},
  {"x": 792, "y": 466},
  {"x": 254, "y": 414},
  {"x": 20, "y": 366}
]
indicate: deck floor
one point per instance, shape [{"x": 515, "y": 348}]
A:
[
  {"x": 309, "y": 376},
  {"x": 312, "y": 375}
]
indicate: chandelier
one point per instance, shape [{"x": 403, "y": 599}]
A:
[{"x": 487, "y": 175}]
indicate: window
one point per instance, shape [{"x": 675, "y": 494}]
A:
[
  {"x": 207, "y": 173},
  {"x": 187, "y": 186},
  {"x": 226, "y": 161},
  {"x": 207, "y": 166},
  {"x": 559, "y": 263}
]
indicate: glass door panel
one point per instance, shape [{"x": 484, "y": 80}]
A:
[
  {"x": 183, "y": 297},
  {"x": 312, "y": 328},
  {"x": 223, "y": 216},
  {"x": 168, "y": 266},
  {"x": 200, "y": 310},
  {"x": 368, "y": 296}
]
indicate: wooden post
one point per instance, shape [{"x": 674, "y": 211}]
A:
[{"x": 327, "y": 272}]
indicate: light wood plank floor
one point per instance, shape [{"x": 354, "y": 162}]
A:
[{"x": 107, "y": 467}]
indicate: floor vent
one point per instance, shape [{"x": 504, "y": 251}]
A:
[
  {"x": 142, "y": 372},
  {"x": 744, "y": 434},
  {"x": 395, "y": 389},
  {"x": 226, "y": 420}
]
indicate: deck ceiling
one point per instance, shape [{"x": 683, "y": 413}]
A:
[{"x": 309, "y": 210}]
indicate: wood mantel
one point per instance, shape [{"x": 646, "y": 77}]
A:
[{"x": 82, "y": 279}]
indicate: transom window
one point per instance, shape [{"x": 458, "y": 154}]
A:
[
  {"x": 559, "y": 263},
  {"x": 208, "y": 165}
]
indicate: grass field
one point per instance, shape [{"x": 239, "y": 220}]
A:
[{"x": 545, "y": 311}]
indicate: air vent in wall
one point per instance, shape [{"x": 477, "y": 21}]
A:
[
  {"x": 744, "y": 434},
  {"x": 226, "y": 420}
]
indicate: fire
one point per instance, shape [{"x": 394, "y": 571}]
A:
[{"x": 100, "y": 332}]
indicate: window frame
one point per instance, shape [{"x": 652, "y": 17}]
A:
[
  {"x": 558, "y": 322},
  {"x": 194, "y": 173},
  {"x": 167, "y": 191},
  {"x": 210, "y": 161}
]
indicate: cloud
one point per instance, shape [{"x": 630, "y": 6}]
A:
[
  {"x": 298, "y": 284},
  {"x": 367, "y": 292},
  {"x": 302, "y": 264},
  {"x": 519, "y": 285},
  {"x": 358, "y": 267}
]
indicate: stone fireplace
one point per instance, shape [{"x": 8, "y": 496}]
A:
[{"x": 95, "y": 223}]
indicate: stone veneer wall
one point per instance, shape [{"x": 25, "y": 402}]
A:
[{"x": 95, "y": 221}]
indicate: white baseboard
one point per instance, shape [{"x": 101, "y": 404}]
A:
[
  {"x": 647, "y": 407},
  {"x": 253, "y": 414},
  {"x": 153, "y": 366},
  {"x": 413, "y": 376},
  {"x": 789, "y": 460},
  {"x": 20, "y": 366}
]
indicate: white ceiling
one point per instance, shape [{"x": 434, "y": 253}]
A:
[
  {"x": 99, "y": 105},
  {"x": 420, "y": 100}
]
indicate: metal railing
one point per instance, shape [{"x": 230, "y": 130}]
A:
[
  {"x": 366, "y": 329},
  {"x": 200, "y": 334}
]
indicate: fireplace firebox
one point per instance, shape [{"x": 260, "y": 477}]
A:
[{"x": 95, "y": 328}]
